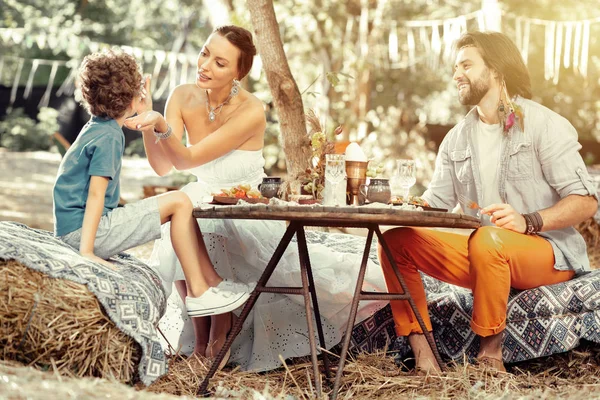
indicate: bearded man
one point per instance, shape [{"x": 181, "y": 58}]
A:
[{"x": 520, "y": 162}]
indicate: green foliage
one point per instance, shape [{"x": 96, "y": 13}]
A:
[
  {"x": 136, "y": 148},
  {"x": 70, "y": 29},
  {"x": 18, "y": 132},
  {"x": 336, "y": 78},
  {"x": 181, "y": 178}
]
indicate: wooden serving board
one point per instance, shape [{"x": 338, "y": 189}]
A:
[{"x": 234, "y": 200}]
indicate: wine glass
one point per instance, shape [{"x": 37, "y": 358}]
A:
[
  {"x": 403, "y": 179},
  {"x": 335, "y": 170}
]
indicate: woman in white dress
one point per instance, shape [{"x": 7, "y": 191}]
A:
[{"x": 225, "y": 127}]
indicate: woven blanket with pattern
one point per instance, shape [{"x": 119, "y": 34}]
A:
[
  {"x": 540, "y": 322},
  {"x": 132, "y": 297}
]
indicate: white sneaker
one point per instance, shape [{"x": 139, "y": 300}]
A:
[
  {"x": 214, "y": 302},
  {"x": 233, "y": 286}
]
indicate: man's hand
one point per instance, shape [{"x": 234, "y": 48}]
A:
[
  {"x": 95, "y": 258},
  {"x": 504, "y": 216}
]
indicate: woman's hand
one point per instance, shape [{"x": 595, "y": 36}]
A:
[
  {"x": 504, "y": 216},
  {"x": 146, "y": 97},
  {"x": 143, "y": 121}
]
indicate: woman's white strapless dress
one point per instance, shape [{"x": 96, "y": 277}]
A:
[{"x": 240, "y": 250}]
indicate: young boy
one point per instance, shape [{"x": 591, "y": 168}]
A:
[{"x": 86, "y": 192}]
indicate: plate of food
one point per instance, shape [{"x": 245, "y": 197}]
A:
[
  {"x": 239, "y": 192},
  {"x": 415, "y": 201}
]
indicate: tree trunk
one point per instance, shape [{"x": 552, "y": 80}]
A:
[{"x": 284, "y": 89}]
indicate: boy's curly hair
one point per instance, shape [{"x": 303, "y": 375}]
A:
[{"x": 109, "y": 80}]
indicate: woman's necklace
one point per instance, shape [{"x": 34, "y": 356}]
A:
[{"x": 214, "y": 111}]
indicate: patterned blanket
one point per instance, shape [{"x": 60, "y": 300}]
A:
[
  {"x": 132, "y": 297},
  {"x": 540, "y": 322}
]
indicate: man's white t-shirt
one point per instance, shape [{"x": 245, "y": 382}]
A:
[{"x": 489, "y": 143}]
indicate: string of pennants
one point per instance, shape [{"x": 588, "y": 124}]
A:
[
  {"x": 400, "y": 45},
  {"x": 565, "y": 42},
  {"x": 406, "y": 44},
  {"x": 168, "y": 69}
]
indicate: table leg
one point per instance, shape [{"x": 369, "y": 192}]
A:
[
  {"x": 311, "y": 282},
  {"x": 303, "y": 253},
  {"x": 237, "y": 326},
  {"x": 428, "y": 334},
  {"x": 352, "y": 318}
]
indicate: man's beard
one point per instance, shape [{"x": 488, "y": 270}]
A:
[{"x": 476, "y": 90}]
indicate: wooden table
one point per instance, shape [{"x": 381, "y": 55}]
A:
[{"x": 301, "y": 216}]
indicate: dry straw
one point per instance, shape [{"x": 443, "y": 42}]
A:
[
  {"x": 57, "y": 323},
  {"x": 573, "y": 375},
  {"x": 590, "y": 229},
  {"x": 19, "y": 382}
]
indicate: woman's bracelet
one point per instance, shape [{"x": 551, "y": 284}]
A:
[{"x": 161, "y": 135}]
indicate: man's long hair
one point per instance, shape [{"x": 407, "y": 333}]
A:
[{"x": 501, "y": 54}]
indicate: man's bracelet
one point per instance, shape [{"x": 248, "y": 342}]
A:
[
  {"x": 534, "y": 223},
  {"x": 161, "y": 135}
]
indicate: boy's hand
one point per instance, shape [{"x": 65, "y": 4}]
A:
[
  {"x": 146, "y": 96},
  {"x": 504, "y": 216},
  {"x": 95, "y": 258}
]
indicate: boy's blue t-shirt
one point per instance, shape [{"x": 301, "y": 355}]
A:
[{"x": 97, "y": 151}]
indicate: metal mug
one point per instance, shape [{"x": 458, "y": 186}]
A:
[
  {"x": 356, "y": 171},
  {"x": 377, "y": 191},
  {"x": 270, "y": 186}
]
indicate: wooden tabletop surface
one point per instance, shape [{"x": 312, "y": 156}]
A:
[{"x": 345, "y": 216}]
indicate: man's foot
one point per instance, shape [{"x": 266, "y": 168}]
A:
[
  {"x": 491, "y": 363},
  {"x": 214, "y": 302},
  {"x": 427, "y": 367},
  {"x": 424, "y": 358},
  {"x": 490, "y": 352}
]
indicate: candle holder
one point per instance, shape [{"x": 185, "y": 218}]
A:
[{"x": 356, "y": 172}]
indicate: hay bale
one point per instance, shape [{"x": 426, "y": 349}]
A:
[
  {"x": 590, "y": 230},
  {"x": 58, "y": 323}
]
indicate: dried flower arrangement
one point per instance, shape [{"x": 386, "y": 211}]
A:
[{"x": 313, "y": 178}]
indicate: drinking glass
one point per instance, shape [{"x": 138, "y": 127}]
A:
[
  {"x": 335, "y": 172},
  {"x": 403, "y": 179}
]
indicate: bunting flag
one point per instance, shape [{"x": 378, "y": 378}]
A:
[
  {"x": 46, "y": 97},
  {"x": 17, "y": 79},
  {"x": 29, "y": 84},
  {"x": 181, "y": 69},
  {"x": 393, "y": 45},
  {"x": 566, "y": 44},
  {"x": 68, "y": 86}
]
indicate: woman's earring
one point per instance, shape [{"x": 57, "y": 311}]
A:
[
  {"x": 501, "y": 107},
  {"x": 235, "y": 89}
]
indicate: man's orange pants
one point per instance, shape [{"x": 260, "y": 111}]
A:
[{"x": 489, "y": 262}]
